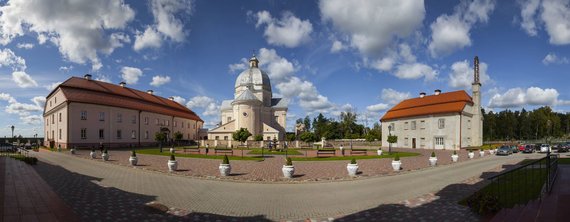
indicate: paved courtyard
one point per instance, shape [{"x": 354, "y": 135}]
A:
[{"x": 99, "y": 191}]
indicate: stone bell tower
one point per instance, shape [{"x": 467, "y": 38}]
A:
[{"x": 477, "y": 126}]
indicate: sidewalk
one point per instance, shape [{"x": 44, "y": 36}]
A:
[
  {"x": 555, "y": 206},
  {"x": 25, "y": 196}
]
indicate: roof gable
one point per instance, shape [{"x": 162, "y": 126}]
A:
[{"x": 449, "y": 102}]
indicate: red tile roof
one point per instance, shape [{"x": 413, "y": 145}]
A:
[
  {"x": 82, "y": 90},
  {"x": 450, "y": 102}
]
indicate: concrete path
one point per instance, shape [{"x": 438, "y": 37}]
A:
[{"x": 276, "y": 201}]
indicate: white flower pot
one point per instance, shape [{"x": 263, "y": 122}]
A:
[
  {"x": 491, "y": 152},
  {"x": 379, "y": 152},
  {"x": 171, "y": 150},
  {"x": 471, "y": 155},
  {"x": 454, "y": 158},
  {"x": 92, "y": 154},
  {"x": 288, "y": 171},
  {"x": 172, "y": 165},
  {"x": 105, "y": 156},
  {"x": 133, "y": 160},
  {"x": 72, "y": 151},
  {"x": 352, "y": 169},
  {"x": 396, "y": 165},
  {"x": 432, "y": 161},
  {"x": 482, "y": 153},
  {"x": 225, "y": 169}
]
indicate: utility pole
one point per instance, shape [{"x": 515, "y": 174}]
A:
[{"x": 12, "y": 127}]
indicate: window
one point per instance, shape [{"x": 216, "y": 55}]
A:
[
  {"x": 59, "y": 133},
  {"x": 225, "y": 137},
  {"x": 405, "y": 125},
  {"x": 217, "y": 137},
  {"x": 182, "y": 125},
  {"x": 49, "y": 103},
  {"x": 229, "y": 118},
  {"x": 119, "y": 118},
  {"x": 52, "y": 134},
  {"x": 119, "y": 134},
  {"x": 60, "y": 117},
  {"x": 188, "y": 125},
  {"x": 439, "y": 141},
  {"x": 268, "y": 138},
  {"x": 146, "y": 121},
  {"x": 156, "y": 121},
  {"x": 83, "y": 115},
  {"x": 468, "y": 124},
  {"x": 83, "y": 133},
  {"x": 101, "y": 134},
  {"x": 134, "y": 119},
  {"x": 174, "y": 123},
  {"x": 146, "y": 134},
  {"x": 422, "y": 142},
  {"x": 441, "y": 123},
  {"x": 133, "y": 134},
  {"x": 393, "y": 126},
  {"x": 194, "y": 126},
  {"x": 167, "y": 123},
  {"x": 423, "y": 124},
  {"x": 406, "y": 141},
  {"x": 52, "y": 119},
  {"x": 276, "y": 118},
  {"x": 102, "y": 116},
  {"x": 55, "y": 100},
  {"x": 413, "y": 125}
]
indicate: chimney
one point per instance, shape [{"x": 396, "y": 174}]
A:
[
  {"x": 171, "y": 98},
  {"x": 87, "y": 76},
  {"x": 422, "y": 94},
  {"x": 122, "y": 84},
  {"x": 150, "y": 91},
  {"x": 437, "y": 92}
]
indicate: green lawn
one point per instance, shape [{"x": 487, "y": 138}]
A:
[
  {"x": 257, "y": 151},
  {"x": 384, "y": 155},
  {"x": 165, "y": 152}
]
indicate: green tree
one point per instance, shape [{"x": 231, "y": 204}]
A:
[
  {"x": 258, "y": 137},
  {"x": 159, "y": 137},
  {"x": 307, "y": 123},
  {"x": 307, "y": 137},
  {"x": 392, "y": 139},
  {"x": 241, "y": 135},
  {"x": 290, "y": 137}
]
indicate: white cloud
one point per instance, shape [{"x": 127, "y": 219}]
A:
[
  {"x": 415, "y": 71},
  {"x": 278, "y": 68},
  {"x": 552, "y": 58},
  {"x": 236, "y": 67},
  {"x": 103, "y": 78},
  {"x": 150, "y": 38},
  {"x": 461, "y": 75},
  {"x": 23, "y": 79},
  {"x": 159, "y": 80},
  {"x": 79, "y": 28},
  {"x": 372, "y": 25},
  {"x": 22, "y": 109},
  {"x": 452, "y": 32},
  {"x": 337, "y": 46},
  {"x": 553, "y": 14},
  {"x": 377, "y": 107},
  {"x": 40, "y": 101},
  {"x": 9, "y": 59},
  {"x": 309, "y": 98},
  {"x": 392, "y": 96},
  {"x": 179, "y": 99},
  {"x": 289, "y": 31},
  {"x": 528, "y": 14},
  {"x": 385, "y": 64},
  {"x": 25, "y": 45},
  {"x": 210, "y": 106},
  {"x": 65, "y": 68},
  {"x": 131, "y": 75},
  {"x": 168, "y": 24},
  {"x": 517, "y": 97},
  {"x": 7, "y": 97},
  {"x": 32, "y": 119}
]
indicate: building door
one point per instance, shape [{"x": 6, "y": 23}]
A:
[
  {"x": 439, "y": 142},
  {"x": 414, "y": 143}
]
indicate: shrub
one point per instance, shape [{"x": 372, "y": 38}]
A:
[
  {"x": 258, "y": 137},
  {"x": 433, "y": 154},
  {"x": 105, "y": 151},
  {"x": 288, "y": 161},
  {"x": 133, "y": 153},
  {"x": 26, "y": 159},
  {"x": 226, "y": 160},
  {"x": 172, "y": 157},
  {"x": 379, "y": 148},
  {"x": 483, "y": 203},
  {"x": 353, "y": 161},
  {"x": 93, "y": 149},
  {"x": 454, "y": 152},
  {"x": 397, "y": 157}
]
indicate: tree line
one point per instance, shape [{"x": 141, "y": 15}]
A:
[{"x": 345, "y": 128}]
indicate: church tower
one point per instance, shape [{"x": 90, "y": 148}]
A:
[{"x": 477, "y": 137}]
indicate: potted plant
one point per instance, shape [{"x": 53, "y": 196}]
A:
[
  {"x": 133, "y": 159},
  {"x": 92, "y": 154},
  {"x": 72, "y": 150},
  {"x": 288, "y": 169},
  {"x": 105, "y": 155},
  {"x": 491, "y": 151},
  {"x": 454, "y": 156},
  {"x": 396, "y": 163},
  {"x": 481, "y": 152},
  {"x": 172, "y": 164},
  {"x": 432, "y": 159},
  {"x": 172, "y": 150},
  {"x": 225, "y": 167},
  {"x": 471, "y": 154},
  {"x": 352, "y": 167},
  {"x": 379, "y": 151}
]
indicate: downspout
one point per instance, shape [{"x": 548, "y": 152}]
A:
[
  {"x": 139, "y": 122},
  {"x": 460, "y": 123},
  {"x": 67, "y": 120}
]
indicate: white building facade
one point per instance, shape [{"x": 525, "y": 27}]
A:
[
  {"x": 253, "y": 108},
  {"x": 451, "y": 120},
  {"x": 85, "y": 113}
]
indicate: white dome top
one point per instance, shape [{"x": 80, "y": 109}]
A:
[{"x": 253, "y": 76}]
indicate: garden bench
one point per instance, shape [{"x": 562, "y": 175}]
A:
[
  {"x": 224, "y": 151},
  {"x": 191, "y": 150},
  {"x": 326, "y": 152},
  {"x": 358, "y": 152}
]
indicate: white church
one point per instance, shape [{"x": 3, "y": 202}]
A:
[
  {"x": 253, "y": 108},
  {"x": 450, "y": 120}
]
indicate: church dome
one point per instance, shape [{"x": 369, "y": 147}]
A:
[{"x": 253, "y": 76}]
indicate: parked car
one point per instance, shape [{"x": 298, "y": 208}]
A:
[
  {"x": 505, "y": 150},
  {"x": 515, "y": 148},
  {"x": 528, "y": 148},
  {"x": 545, "y": 148},
  {"x": 564, "y": 147},
  {"x": 522, "y": 147}
]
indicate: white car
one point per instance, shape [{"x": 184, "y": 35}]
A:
[{"x": 545, "y": 148}]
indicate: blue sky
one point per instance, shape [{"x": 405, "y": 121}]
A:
[{"x": 324, "y": 56}]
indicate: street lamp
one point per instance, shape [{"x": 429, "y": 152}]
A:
[{"x": 12, "y": 127}]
